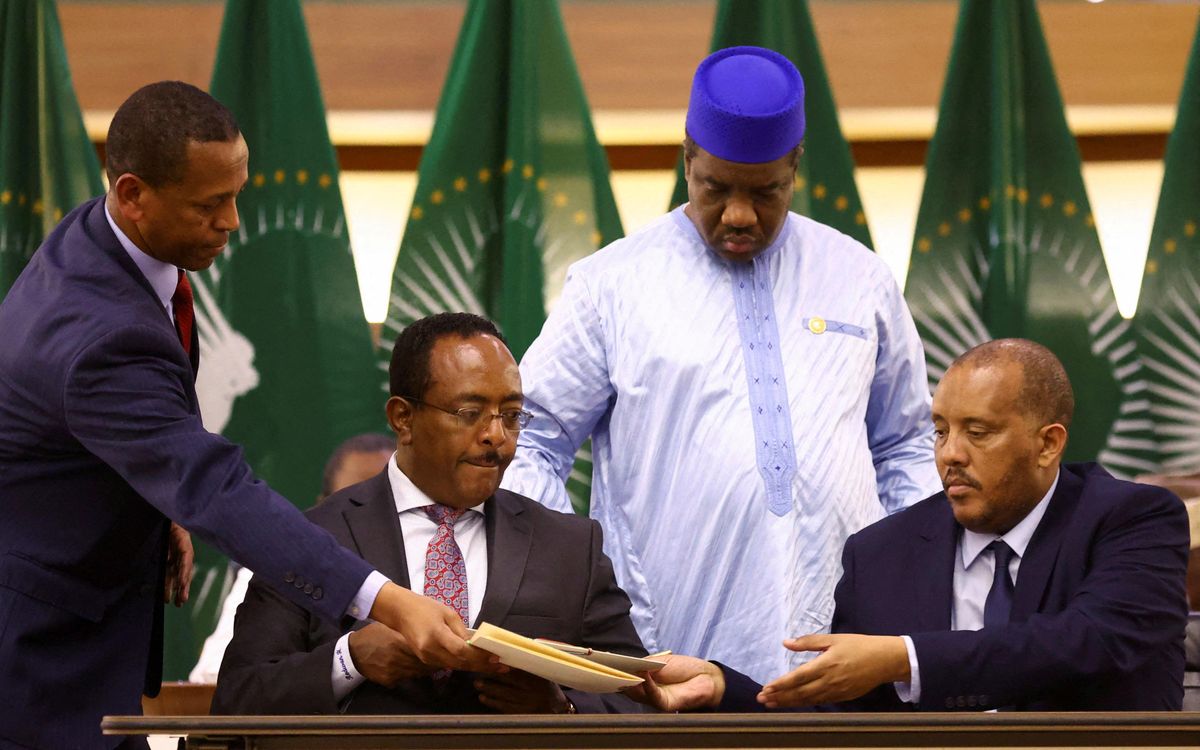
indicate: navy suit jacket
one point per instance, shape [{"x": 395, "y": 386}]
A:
[
  {"x": 1098, "y": 614},
  {"x": 548, "y": 577},
  {"x": 100, "y": 443}
]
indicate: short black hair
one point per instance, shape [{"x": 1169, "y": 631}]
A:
[
  {"x": 368, "y": 442},
  {"x": 690, "y": 147},
  {"x": 1046, "y": 393},
  {"x": 150, "y": 132},
  {"x": 408, "y": 375}
]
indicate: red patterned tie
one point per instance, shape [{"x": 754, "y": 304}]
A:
[
  {"x": 181, "y": 304},
  {"x": 445, "y": 569}
]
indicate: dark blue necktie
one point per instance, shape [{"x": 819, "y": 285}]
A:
[{"x": 999, "y": 600}]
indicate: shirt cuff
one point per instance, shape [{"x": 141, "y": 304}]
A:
[
  {"x": 910, "y": 692},
  {"x": 364, "y": 600},
  {"x": 345, "y": 676}
]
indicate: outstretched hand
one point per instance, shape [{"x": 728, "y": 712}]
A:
[
  {"x": 685, "y": 683},
  {"x": 849, "y": 667}
]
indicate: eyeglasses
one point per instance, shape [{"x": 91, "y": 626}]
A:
[{"x": 512, "y": 420}]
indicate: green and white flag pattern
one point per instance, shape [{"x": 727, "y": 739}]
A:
[
  {"x": 47, "y": 164},
  {"x": 1168, "y": 314},
  {"x": 1006, "y": 245},
  {"x": 513, "y": 185}
]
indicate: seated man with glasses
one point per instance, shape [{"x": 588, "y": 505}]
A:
[{"x": 435, "y": 521}]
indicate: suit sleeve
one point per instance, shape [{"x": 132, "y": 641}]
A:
[
  {"x": 1130, "y": 604},
  {"x": 568, "y": 390},
  {"x": 126, "y": 401},
  {"x": 608, "y": 627},
  {"x": 272, "y": 664},
  {"x": 845, "y": 620}
]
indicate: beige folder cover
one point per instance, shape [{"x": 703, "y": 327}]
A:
[
  {"x": 650, "y": 663},
  {"x": 550, "y": 663}
]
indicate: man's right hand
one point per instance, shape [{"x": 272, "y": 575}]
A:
[
  {"x": 432, "y": 632},
  {"x": 685, "y": 683},
  {"x": 382, "y": 656}
]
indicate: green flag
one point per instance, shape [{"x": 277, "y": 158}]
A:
[
  {"x": 1005, "y": 241},
  {"x": 287, "y": 367},
  {"x": 513, "y": 185},
  {"x": 1167, "y": 318},
  {"x": 47, "y": 163},
  {"x": 825, "y": 188}
]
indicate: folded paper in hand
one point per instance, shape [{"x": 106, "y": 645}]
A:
[{"x": 554, "y": 663}]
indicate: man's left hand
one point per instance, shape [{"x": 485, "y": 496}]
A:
[
  {"x": 519, "y": 692},
  {"x": 849, "y": 666},
  {"x": 180, "y": 565}
]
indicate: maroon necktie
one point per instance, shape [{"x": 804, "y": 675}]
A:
[
  {"x": 445, "y": 569},
  {"x": 181, "y": 304}
]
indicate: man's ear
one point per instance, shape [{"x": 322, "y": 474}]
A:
[
  {"x": 131, "y": 192},
  {"x": 399, "y": 416},
  {"x": 1054, "y": 442}
]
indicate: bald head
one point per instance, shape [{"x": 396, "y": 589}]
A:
[{"x": 1045, "y": 395}]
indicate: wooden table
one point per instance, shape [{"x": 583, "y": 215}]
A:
[{"x": 622, "y": 732}]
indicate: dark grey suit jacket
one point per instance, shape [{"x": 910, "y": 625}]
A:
[{"x": 547, "y": 578}]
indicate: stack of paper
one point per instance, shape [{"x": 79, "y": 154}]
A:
[{"x": 572, "y": 666}]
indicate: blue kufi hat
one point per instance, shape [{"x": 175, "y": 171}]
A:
[{"x": 747, "y": 105}]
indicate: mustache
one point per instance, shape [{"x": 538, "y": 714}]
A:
[
  {"x": 490, "y": 457},
  {"x": 960, "y": 477}
]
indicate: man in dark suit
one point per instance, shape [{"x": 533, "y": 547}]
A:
[
  {"x": 1026, "y": 584},
  {"x": 456, "y": 408},
  {"x": 356, "y": 459},
  {"x": 101, "y": 443}
]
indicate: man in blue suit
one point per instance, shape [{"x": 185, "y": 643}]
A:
[
  {"x": 1027, "y": 584},
  {"x": 101, "y": 443}
]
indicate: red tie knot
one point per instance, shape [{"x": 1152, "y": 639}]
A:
[{"x": 443, "y": 515}]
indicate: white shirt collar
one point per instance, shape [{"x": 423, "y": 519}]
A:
[
  {"x": 1017, "y": 537},
  {"x": 163, "y": 277},
  {"x": 407, "y": 495}
]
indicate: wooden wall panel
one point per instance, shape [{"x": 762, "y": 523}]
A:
[{"x": 631, "y": 54}]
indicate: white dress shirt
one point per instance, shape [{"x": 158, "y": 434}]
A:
[
  {"x": 418, "y": 530},
  {"x": 974, "y": 572}
]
